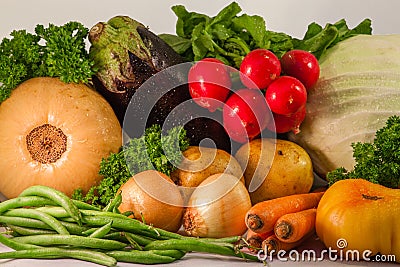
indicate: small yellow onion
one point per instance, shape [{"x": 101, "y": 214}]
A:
[
  {"x": 153, "y": 197},
  {"x": 217, "y": 208},
  {"x": 54, "y": 134}
]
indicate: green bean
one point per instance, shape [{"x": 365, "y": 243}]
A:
[
  {"x": 55, "y": 211},
  {"x": 197, "y": 245},
  {"x": 36, "y": 214},
  {"x": 59, "y": 212},
  {"x": 89, "y": 231},
  {"x": 140, "y": 257},
  {"x": 24, "y": 222},
  {"x": 71, "y": 240},
  {"x": 72, "y": 228},
  {"x": 134, "y": 245},
  {"x": 177, "y": 254},
  {"x": 84, "y": 205},
  {"x": 131, "y": 225},
  {"x": 113, "y": 205},
  {"x": 99, "y": 218},
  {"x": 59, "y": 253},
  {"x": 23, "y": 202},
  {"x": 15, "y": 245},
  {"x": 139, "y": 239},
  {"x": 119, "y": 236},
  {"x": 189, "y": 245},
  {"x": 30, "y": 231},
  {"x": 56, "y": 196},
  {"x": 102, "y": 231},
  {"x": 228, "y": 239},
  {"x": 109, "y": 214}
]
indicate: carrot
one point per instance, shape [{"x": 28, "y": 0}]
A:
[
  {"x": 263, "y": 215},
  {"x": 319, "y": 189},
  {"x": 272, "y": 245},
  {"x": 254, "y": 240},
  {"x": 294, "y": 226}
]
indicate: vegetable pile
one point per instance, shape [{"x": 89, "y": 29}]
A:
[{"x": 276, "y": 108}]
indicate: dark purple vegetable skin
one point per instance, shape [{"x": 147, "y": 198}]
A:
[{"x": 126, "y": 55}]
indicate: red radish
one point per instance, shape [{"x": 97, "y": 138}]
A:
[
  {"x": 302, "y": 65},
  {"x": 245, "y": 114},
  {"x": 259, "y": 68},
  {"x": 209, "y": 83},
  {"x": 284, "y": 124},
  {"x": 286, "y": 95}
]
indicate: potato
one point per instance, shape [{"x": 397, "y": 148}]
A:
[
  {"x": 201, "y": 162},
  {"x": 275, "y": 168}
]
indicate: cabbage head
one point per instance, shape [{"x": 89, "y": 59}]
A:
[{"x": 358, "y": 90}]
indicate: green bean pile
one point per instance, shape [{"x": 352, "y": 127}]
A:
[{"x": 43, "y": 223}]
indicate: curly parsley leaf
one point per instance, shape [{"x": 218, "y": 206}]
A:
[{"x": 53, "y": 51}]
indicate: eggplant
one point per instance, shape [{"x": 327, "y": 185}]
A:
[{"x": 145, "y": 82}]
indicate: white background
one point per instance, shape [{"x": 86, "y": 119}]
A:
[{"x": 289, "y": 16}]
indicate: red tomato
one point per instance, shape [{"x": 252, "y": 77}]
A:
[
  {"x": 286, "y": 95},
  {"x": 259, "y": 68},
  {"x": 209, "y": 83},
  {"x": 302, "y": 65},
  {"x": 245, "y": 115}
]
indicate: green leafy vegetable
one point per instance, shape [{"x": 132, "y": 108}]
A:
[
  {"x": 153, "y": 151},
  {"x": 317, "y": 39},
  {"x": 55, "y": 51},
  {"x": 378, "y": 161},
  {"x": 229, "y": 36}
]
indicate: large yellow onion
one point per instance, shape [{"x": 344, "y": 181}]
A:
[
  {"x": 153, "y": 198},
  {"x": 217, "y": 207},
  {"x": 54, "y": 134}
]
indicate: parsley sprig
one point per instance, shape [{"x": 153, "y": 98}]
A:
[{"x": 53, "y": 51}]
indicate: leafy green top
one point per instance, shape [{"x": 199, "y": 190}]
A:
[
  {"x": 55, "y": 51},
  {"x": 229, "y": 36},
  {"x": 152, "y": 151},
  {"x": 377, "y": 162}
]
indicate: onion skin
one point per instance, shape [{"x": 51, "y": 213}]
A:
[
  {"x": 152, "y": 196},
  {"x": 217, "y": 208},
  {"x": 86, "y": 119}
]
